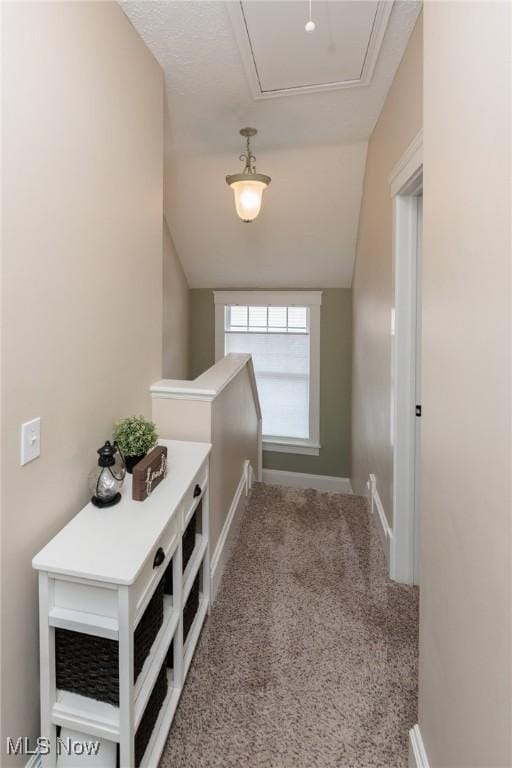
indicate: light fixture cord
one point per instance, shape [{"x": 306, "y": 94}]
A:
[{"x": 310, "y": 10}]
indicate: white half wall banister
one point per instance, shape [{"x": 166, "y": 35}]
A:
[
  {"x": 211, "y": 383},
  {"x": 220, "y": 407}
]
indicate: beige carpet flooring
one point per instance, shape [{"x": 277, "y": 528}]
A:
[{"x": 309, "y": 656}]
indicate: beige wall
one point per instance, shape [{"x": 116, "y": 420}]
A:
[
  {"x": 466, "y": 581},
  {"x": 81, "y": 281},
  {"x": 183, "y": 419},
  {"x": 230, "y": 423},
  {"x": 176, "y": 313},
  {"x": 398, "y": 124}
]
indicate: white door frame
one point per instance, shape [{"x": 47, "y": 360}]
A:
[{"x": 405, "y": 183}]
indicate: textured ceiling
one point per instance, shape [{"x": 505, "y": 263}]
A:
[{"x": 313, "y": 146}]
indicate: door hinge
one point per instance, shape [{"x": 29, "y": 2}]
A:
[{"x": 418, "y": 410}]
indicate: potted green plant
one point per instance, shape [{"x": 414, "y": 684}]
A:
[{"x": 135, "y": 436}]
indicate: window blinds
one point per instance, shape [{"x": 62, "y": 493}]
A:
[{"x": 278, "y": 340}]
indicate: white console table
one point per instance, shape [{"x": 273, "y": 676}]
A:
[{"x": 97, "y": 578}]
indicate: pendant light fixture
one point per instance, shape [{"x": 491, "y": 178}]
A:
[{"x": 248, "y": 186}]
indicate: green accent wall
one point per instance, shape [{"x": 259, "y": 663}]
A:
[
  {"x": 335, "y": 379},
  {"x": 202, "y": 331}
]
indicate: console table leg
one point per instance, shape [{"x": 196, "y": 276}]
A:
[
  {"x": 47, "y": 672},
  {"x": 126, "y": 707},
  {"x": 177, "y": 576}
]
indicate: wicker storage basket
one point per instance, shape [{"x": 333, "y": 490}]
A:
[
  {"x": 189, "y": 536},
  {"x": 191, "y": 606},
  {"x": 147, "y": 628},
  {"x": 89, "y": 665},
  {"x": 150, "y": 715},
  {"x": 170, "y": 656},
  {"x": 168, "y": 588}
]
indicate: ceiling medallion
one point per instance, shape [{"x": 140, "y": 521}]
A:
[{"x": 248, "y": 186}]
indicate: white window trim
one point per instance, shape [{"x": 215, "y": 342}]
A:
[
  {"x": 311, "y": 299},
  {"x": 269, "y": 298},
  {"x": 291, "y": 445}
]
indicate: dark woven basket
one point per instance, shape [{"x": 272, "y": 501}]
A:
[
  {"x": 168, "y": 579},
  {"x": 150, "y": 715},
  {"x": 188, "y": 540},
  {"x": 147, "y": 628},
  {"x": 191, "y": 606},
  {"x": 170, "y": 656},
  {"x": 89, "y": 665}
]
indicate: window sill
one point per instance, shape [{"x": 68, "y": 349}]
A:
[{"x": 289, "y": 445}]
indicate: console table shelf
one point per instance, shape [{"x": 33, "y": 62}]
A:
[
  {"x": 103, "y": 586},
  {"x": 81, "y": 621}
]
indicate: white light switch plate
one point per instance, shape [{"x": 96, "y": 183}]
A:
[{"x": 30, "y": 440}]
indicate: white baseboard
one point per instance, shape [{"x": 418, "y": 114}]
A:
[
  {"x": 386, "y": 534},
  {"x": 417, "y": 755},
  {"x": 249, "y": 476},
  {"x": 223, "y": 548},
  {"x": 303, "y": 480},
  {"x": 35, "y": 761}
]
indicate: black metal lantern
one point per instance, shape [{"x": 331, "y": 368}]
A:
[{"x": 106, "y": 479}]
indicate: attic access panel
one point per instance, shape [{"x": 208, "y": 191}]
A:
[{"x": 281, "y": 58}]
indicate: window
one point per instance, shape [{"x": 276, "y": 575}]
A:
[{"x": 281, "y": 332}]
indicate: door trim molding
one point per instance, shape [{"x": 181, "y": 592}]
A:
[
  {"x": 405, "y": 181},
  {"x": 408, "y": 165}
]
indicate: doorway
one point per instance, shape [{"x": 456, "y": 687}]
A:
[{"x": 406, "y": 405}]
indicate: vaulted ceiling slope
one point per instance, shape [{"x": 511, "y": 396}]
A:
[{"x": 314, "y": 99}]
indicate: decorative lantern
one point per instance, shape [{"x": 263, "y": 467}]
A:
[
  {"x": 248, "y": 186},
  {"x": 106, "y": 479}
]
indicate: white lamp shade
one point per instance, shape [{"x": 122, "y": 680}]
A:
[{"x": 248, "y": 193}]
